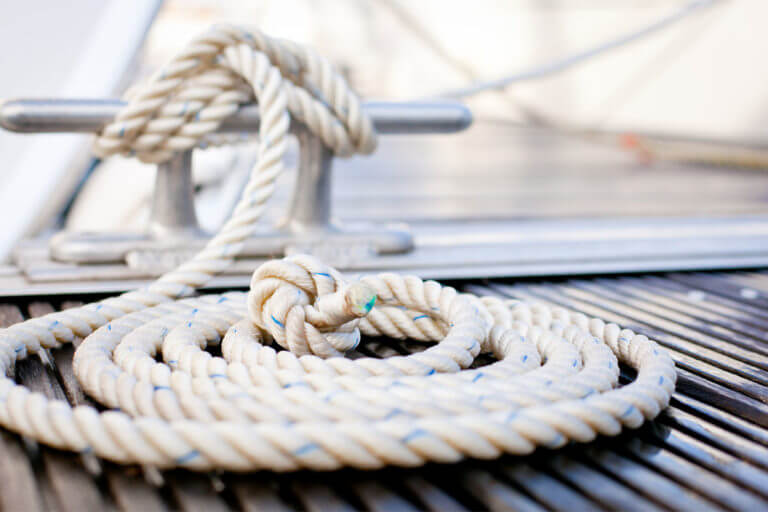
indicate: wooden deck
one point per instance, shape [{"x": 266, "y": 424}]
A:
[
  {"x": 500, "y": 171},
  {"x": 708, "y": 451}
]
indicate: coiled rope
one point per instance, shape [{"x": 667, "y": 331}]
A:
[{"x": 555, "y": 379}]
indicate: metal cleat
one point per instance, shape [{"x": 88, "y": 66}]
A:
[
  {"x": 484, "y": 221},
  {"x": 173, "y": 233}
]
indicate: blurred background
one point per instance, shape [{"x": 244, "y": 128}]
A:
[
  {"x": 697, "y": 77},
  {"x": 670, "y": 82}
]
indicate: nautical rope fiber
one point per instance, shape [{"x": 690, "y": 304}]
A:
[{"x": 256, "y": 407}]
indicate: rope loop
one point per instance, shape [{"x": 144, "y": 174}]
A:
[
  {"x": 181, "y": 105},
  {"x": 306, "y": 308},
  {"x": 554, "y": 375}
]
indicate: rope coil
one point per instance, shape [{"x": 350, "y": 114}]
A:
[{"x": 555, "y": 378}]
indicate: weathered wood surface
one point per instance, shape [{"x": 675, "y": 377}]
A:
[
  {"x": 498, "y": 171},
  {"x": 709, "y": 451}
]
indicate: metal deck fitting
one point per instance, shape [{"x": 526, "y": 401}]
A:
[
  {"x": 494, "y": 200},
  {"x": 173, "y": 227}
]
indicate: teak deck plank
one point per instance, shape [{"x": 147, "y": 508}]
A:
[
  {"x": 709, "y": 451},
  {"x": 20, "y": 490},
  {"x": 73, "y": 487}
]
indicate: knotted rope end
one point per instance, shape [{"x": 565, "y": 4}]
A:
[{"x": 361, "y": 298}]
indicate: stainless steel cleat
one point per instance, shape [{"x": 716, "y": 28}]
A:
[{"x": 173, "y": 233}]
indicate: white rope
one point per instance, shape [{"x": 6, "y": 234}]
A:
[
  {"x": 190, "y": 97},
  {"x": 555, "y": 379}
]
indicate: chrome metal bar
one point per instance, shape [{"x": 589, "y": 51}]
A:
[
  {"x": 174, "y": 224},
  {"x": 311, "y": 204},
  {"x": 173, "y": 205},
  {"x": 89, "y": 115}
]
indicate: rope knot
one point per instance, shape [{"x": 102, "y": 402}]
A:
[
  {"x": 183, "y": 104},
  {"x": 306, "y": 306}
]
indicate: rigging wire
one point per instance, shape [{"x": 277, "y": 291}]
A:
[
  {"x": 421, "y": 32},
  {"x": 565, "y": 63},
  {"x": 647, "y": 146}
]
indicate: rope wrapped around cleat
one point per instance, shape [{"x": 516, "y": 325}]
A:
[{"x": 283, "y": 396}]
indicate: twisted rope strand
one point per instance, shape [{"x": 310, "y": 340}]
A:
[
  {"x": 555, "y": 378},
  {"x": 190, "y": 97}
]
